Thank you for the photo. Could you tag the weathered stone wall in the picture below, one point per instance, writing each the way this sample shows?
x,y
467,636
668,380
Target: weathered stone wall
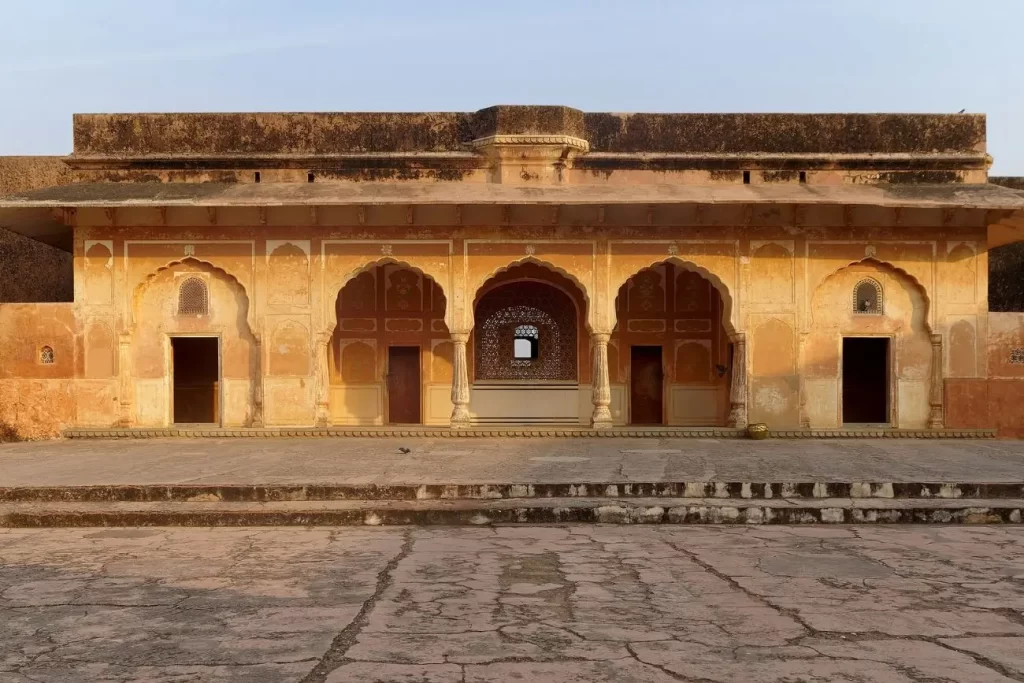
x,y
29,270
20,173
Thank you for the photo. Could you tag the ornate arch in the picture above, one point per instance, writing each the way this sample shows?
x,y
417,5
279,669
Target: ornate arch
x,y
885,266
206,266
335,291
482,286
728,310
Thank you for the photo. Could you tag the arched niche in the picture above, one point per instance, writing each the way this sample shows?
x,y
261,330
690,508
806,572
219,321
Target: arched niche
x,y
156,320
905,352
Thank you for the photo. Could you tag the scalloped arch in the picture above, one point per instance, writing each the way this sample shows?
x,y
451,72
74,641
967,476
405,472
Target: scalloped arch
x,y
471,310
716,282
203,265
383,261
898,272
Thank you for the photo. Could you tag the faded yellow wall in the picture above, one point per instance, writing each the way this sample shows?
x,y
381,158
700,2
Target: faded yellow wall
x,y
276,277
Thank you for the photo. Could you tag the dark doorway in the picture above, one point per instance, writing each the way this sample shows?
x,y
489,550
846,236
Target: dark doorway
x,y
645,387
404,384
865,380
196,376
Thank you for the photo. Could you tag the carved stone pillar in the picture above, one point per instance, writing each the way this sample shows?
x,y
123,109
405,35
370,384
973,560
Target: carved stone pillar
x,y
323,379
257,383
738,390
935,417
601,387
460,382
124,372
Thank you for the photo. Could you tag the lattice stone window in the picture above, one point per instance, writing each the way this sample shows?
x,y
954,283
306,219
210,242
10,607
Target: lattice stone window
x,y
46,355
1017,355
867,298
193,297
526,331
526,343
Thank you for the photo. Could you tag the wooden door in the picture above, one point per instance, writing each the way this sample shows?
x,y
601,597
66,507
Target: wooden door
x,y
404,384
645,385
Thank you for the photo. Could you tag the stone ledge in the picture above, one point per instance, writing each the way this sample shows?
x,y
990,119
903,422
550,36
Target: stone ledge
x,y
542,432
515,511
321,492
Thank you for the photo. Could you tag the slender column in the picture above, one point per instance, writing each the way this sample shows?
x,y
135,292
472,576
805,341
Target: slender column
x,y
124,371
805,418
738,390
323,379
601,387
257,383
460,382
935,418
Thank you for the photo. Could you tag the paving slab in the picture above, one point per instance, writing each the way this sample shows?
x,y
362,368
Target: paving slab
x,y
379,461
556,603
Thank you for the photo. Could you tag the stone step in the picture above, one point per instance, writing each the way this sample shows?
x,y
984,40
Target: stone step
x,y
534,431
513,511
732,490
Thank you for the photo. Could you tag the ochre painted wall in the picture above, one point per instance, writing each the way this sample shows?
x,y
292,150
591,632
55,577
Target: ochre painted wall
x,y
274,287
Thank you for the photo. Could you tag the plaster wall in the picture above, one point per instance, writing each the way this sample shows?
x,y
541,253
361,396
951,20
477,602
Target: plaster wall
x,y
274,281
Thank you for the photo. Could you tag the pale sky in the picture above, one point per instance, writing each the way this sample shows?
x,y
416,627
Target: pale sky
x,y
59,57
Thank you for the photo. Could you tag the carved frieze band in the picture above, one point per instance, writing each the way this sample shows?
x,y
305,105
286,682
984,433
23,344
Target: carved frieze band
x,y
524,139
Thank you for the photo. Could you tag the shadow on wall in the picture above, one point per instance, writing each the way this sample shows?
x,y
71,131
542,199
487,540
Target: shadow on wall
x,y
32,272
1006,278
8,433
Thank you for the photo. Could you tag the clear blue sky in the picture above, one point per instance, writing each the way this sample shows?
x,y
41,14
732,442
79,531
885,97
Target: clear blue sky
x,y
59,57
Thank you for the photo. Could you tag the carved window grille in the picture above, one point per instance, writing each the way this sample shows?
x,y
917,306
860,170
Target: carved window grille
x,y
46,355
193,297
1017,355
867,298
521,313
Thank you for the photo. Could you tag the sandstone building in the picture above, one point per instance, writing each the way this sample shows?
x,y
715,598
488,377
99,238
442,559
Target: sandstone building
x,y
518,265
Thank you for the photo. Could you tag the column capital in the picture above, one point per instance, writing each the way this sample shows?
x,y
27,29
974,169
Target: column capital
x,y
936,339
600,337
738,337
460,337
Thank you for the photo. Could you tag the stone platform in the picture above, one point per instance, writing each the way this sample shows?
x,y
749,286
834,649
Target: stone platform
x,y
383,481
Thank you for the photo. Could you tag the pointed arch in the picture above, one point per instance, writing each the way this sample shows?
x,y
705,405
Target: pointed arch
x,y
885,266
728,309
202,265
485,283
368,267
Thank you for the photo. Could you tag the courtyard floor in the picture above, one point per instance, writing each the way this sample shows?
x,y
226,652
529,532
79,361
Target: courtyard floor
x,y
558,603
510,460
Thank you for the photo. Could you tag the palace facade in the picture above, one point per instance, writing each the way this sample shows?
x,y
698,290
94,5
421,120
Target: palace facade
x,y
518,265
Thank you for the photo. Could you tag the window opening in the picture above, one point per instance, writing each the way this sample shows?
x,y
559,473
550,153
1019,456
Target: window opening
x,y
526,343
46,355
193,297
867,298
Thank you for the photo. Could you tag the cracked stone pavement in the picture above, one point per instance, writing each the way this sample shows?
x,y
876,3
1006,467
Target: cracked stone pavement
x,y
556,603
